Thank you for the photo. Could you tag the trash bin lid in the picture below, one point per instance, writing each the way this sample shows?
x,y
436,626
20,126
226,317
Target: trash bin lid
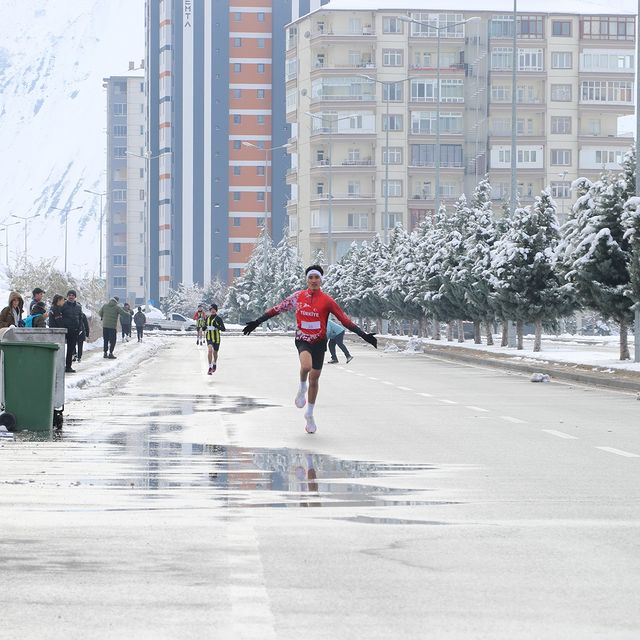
x,y
21,345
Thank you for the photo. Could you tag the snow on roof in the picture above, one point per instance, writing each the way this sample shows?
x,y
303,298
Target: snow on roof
x,y
593,7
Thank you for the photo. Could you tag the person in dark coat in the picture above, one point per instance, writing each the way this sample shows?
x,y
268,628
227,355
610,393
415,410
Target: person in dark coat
x,y
37,294
55,312
11,315
39,313
126,326
83,335
140,320
71,321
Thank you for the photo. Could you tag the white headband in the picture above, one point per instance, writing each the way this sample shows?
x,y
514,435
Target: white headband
x,y
314,272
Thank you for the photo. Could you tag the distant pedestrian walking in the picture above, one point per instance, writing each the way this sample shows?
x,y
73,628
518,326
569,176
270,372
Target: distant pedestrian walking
x,y
109,315
335,333
125,322
71,320
139,319
83,335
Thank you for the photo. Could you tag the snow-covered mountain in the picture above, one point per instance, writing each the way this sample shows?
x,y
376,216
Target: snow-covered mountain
x,y
53,57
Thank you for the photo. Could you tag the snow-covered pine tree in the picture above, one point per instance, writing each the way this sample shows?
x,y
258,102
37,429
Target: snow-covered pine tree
x,y
595,252
215,293
185,299
288,276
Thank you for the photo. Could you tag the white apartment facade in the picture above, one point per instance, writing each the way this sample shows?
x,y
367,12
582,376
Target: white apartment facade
x,y
575,78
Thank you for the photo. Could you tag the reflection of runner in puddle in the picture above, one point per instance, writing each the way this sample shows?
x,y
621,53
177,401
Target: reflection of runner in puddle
x,y
308,480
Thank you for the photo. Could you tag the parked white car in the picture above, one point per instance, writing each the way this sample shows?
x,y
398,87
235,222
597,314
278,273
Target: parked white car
x,y
174,322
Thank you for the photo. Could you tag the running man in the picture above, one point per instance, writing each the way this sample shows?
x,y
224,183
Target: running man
x,y
214,326
201,320
312,307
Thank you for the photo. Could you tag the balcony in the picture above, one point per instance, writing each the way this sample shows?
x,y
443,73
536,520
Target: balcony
x,y
341,67
292,145
322,230
345,164
348,197
458,67
292,175
339,34
430,164
342,98
292,207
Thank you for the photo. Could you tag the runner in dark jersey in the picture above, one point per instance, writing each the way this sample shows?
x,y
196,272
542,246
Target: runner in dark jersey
x,y
312,307
213,326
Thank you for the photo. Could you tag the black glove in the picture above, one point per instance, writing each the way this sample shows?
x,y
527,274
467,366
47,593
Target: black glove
x,y
371,339
250,326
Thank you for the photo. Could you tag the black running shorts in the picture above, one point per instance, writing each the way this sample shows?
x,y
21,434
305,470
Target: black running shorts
x,y
215,345
316,349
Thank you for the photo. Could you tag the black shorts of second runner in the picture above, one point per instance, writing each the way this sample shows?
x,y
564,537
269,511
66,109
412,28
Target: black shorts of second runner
x,y
215,345
316,349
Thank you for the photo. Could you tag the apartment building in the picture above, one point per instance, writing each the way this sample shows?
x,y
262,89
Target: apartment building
x,y
371,118
126,188
217,134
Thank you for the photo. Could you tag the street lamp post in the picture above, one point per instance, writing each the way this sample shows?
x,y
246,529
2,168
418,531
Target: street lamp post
x,y
636,307
25,219
96,193
6,239
66,227
438,29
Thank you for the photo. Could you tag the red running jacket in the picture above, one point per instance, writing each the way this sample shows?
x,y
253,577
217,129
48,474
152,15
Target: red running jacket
x,y
312,312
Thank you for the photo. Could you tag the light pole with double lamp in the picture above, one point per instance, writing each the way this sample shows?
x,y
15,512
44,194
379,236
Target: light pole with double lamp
x,y
25,219
437,28
97,193
386,85
267,151
332,121
6,238
66,227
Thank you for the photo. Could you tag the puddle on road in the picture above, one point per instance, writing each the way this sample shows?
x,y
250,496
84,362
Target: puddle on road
x,y
146,461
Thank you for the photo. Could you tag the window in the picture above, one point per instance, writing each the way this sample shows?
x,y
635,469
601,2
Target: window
x,y
236,196
501,58
237,67
260,119
119,260
315,219
524,127
236,222
237,16
609,156
237,93
561,157
120,152
451,25
530,60
236,247
424,155
613,91
120,282
603,60
260,196
260,170
392,122
393,219
501,26
236,272
561,28
292,69
561,190
236,171
594,127
355,122
237,144
140,194
424,122
237,118
260,67
120,130
237,42
561,92
500,93
392,91
527,156
353,156
391,24
261,43
561,60
451,90
353,188
358,221
608,28
392,155
392,57
561,124
527,26
392,188
504,156
260,222
260,16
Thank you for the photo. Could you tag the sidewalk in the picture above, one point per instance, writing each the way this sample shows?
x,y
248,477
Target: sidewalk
x,y
583,359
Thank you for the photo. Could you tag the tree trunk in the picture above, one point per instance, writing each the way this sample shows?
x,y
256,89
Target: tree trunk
x,y
505,334
520,334
449,331
422,323
379,325
537,343
477,337
436,329
489,327
460,331
624,341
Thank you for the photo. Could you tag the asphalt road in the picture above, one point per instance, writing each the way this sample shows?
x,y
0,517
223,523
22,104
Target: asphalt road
x,y
436,500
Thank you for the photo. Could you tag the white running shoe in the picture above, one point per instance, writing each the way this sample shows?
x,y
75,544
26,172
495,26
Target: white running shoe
x,y
311,425
301,399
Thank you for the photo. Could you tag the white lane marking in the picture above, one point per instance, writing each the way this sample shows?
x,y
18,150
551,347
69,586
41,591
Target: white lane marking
x,y
426,395
447,401
405,388
514,420
474,408
386,382
619,452
560,434
372,378
359,374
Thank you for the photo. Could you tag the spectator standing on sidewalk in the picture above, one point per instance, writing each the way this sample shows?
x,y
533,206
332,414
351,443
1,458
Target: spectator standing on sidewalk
x,y
11,315
109,315
37,294
125,323
139,320
71,321
335,334
55,313
39,315
82,336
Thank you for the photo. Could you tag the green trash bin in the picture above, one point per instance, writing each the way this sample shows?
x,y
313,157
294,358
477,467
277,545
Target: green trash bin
x,y
29,376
